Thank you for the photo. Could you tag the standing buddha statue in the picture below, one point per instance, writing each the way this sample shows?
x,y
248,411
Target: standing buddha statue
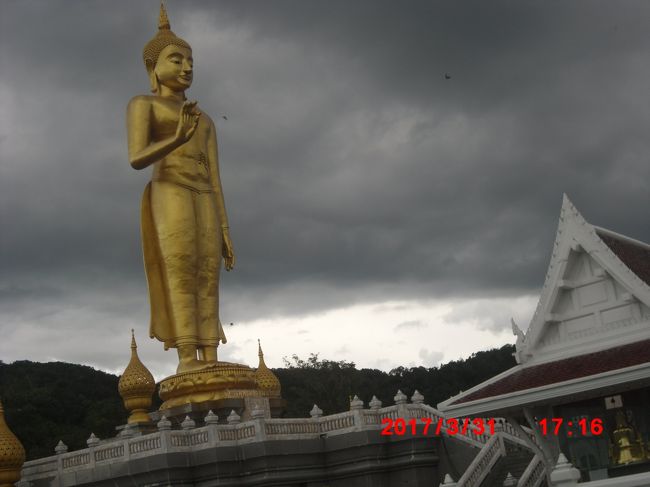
x,y
185,233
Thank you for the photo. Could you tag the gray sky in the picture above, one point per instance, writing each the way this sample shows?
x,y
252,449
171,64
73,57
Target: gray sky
x,y
380,212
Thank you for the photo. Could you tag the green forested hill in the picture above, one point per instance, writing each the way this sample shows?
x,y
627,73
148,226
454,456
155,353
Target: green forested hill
x,y
45,403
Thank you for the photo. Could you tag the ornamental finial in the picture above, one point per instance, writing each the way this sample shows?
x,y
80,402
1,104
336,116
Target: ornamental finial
x,y
163,20
265,378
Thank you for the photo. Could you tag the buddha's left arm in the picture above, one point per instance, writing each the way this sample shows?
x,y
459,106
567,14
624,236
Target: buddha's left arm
x,y
215,179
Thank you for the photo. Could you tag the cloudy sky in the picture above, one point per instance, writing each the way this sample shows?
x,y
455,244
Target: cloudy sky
x,y
381,213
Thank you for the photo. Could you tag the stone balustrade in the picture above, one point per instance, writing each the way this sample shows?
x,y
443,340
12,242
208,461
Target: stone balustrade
x,y
67,466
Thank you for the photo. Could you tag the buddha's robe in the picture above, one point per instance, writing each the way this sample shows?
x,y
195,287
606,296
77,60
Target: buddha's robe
x,y
182,244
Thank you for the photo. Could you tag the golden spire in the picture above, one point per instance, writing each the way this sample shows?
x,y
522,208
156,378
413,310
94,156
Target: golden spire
x,y
266,380
163,20
260,354
12,454
136,386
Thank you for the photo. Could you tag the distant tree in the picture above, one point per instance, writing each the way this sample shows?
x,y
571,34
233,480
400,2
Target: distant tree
x,y
331,384
324,382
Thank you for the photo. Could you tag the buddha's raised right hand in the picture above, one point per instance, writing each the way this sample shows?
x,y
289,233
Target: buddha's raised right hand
x,y
188,120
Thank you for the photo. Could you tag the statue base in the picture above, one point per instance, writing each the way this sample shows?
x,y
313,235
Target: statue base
x,y
221,383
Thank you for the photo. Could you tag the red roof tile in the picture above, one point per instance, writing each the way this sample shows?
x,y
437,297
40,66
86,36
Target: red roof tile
x,y
635,257
564,370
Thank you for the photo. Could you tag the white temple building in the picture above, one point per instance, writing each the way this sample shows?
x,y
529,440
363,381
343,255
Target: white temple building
x,y
583,364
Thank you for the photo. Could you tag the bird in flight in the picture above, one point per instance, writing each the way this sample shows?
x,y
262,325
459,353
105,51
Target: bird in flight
x,y
447,76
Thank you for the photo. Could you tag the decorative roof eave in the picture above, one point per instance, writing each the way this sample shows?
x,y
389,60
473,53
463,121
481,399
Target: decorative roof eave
x,y
442,406
606,257
574,232
556,393
619,236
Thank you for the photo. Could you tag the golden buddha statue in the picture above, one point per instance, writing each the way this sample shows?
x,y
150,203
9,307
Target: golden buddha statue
x,y
183,216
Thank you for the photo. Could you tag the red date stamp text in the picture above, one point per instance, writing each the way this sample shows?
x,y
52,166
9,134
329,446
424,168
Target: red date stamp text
x,y
452,426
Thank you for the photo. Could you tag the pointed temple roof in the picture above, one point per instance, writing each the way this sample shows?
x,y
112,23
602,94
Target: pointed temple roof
x,y
590,334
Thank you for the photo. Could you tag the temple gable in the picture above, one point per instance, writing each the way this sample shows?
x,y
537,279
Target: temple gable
x,y
591,299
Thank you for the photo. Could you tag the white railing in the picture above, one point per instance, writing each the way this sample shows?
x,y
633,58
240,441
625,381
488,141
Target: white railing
x,y
482,463
489,455
341,421
534,474
291,427
76,460
109,453
145,445
388,412
470,436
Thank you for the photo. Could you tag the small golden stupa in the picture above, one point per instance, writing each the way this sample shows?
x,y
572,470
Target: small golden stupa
x,y
267,382
12,454
136,387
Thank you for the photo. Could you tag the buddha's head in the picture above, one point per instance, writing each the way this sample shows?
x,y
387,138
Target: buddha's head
x,y
167,58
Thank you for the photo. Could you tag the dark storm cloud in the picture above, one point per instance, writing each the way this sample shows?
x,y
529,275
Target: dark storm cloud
x,y
404,174
353,169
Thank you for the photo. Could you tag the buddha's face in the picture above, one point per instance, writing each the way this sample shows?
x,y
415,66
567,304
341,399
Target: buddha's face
x,y
174,68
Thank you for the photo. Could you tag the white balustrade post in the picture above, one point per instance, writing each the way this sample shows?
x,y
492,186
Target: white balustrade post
x,y
499,428
259,419
400,400
564,474
60,449
211,421
356,407
92,442
188,424
375,404
233,418
316,412
165,431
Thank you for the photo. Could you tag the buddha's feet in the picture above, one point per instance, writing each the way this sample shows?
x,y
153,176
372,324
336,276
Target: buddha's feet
x,y
189,365
187,361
